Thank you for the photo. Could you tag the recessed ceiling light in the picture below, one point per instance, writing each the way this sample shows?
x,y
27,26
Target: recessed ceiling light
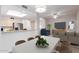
x,y
15,13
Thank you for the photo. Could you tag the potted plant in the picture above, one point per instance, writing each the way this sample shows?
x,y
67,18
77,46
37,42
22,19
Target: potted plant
x,y
41,42
49,26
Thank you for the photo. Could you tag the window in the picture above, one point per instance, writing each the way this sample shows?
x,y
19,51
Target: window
x,y
27,24
71,25
42,23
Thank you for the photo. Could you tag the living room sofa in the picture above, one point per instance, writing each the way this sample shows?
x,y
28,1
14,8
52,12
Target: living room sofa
x,y
72,37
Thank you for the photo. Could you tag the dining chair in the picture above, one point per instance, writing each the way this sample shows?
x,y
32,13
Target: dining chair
x,y
19,42
38,36
30,38
12,50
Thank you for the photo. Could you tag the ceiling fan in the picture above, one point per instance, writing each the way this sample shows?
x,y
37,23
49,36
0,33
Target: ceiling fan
x,y
57,14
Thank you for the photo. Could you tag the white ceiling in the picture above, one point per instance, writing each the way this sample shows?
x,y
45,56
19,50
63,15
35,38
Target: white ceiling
x,y
64,10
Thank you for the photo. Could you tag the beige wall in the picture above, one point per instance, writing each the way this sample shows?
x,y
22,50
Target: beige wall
x,y
62,19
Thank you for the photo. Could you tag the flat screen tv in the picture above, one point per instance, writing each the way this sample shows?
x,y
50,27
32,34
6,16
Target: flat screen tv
x,y
60,25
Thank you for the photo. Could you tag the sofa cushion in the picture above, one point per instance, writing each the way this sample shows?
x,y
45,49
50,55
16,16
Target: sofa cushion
x,y
70,33
77,34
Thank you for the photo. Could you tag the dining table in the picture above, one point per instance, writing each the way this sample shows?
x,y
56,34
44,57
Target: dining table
x,y
30,46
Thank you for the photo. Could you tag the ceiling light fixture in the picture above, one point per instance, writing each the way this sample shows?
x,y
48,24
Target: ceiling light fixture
x,y
55,16
40,9
15,13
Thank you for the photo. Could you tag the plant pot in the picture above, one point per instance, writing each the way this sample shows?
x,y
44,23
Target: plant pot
x,y
41,46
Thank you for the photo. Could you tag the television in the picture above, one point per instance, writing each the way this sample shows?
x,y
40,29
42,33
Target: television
x,y
60,25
